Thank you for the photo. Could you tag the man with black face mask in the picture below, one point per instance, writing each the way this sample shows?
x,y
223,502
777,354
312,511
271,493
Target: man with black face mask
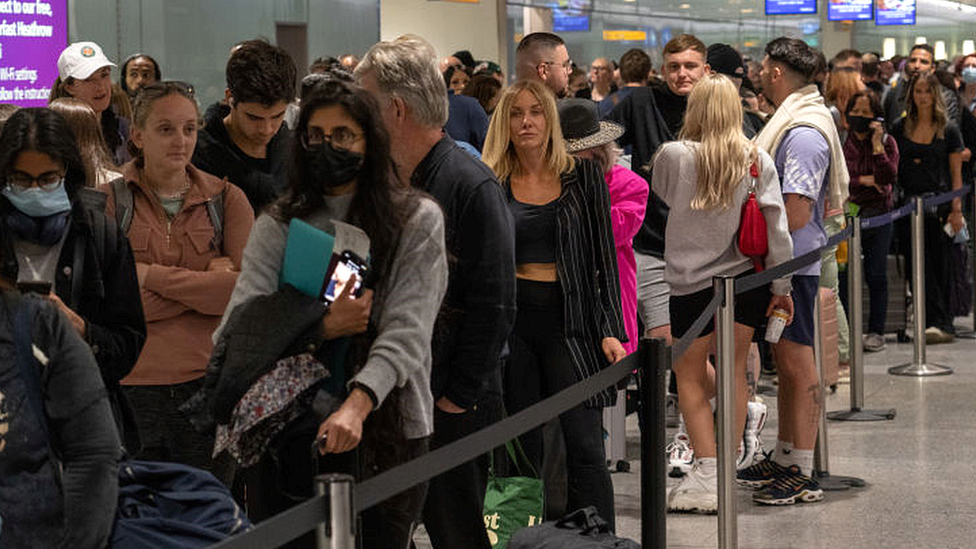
x,y
479,310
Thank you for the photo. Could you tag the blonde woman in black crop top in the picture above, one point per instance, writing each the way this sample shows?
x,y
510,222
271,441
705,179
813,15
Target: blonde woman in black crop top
x,y
569,324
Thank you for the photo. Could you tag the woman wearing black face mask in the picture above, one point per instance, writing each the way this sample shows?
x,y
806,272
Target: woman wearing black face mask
x,y
344,172
872,162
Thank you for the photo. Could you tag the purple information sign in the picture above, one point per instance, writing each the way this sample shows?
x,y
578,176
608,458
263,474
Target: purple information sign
x,y
32,35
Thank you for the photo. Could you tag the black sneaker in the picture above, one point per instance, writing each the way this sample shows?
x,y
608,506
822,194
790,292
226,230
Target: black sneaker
x,y
791,486
759,474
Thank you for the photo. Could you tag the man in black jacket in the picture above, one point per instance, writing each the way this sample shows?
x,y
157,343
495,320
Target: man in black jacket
x,y
479,310
651,116
245,140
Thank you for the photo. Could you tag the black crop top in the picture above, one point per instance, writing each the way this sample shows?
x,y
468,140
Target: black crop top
x,y
535,231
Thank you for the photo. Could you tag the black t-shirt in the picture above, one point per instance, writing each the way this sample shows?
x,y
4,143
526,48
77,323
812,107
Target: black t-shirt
x,y
924,167
672,107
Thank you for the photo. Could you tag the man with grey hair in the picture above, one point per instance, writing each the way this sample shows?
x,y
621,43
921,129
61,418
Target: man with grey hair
x,y
479,310
543,56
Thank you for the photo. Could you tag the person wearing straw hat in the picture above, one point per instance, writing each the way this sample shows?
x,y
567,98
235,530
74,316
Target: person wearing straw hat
x,y
588,137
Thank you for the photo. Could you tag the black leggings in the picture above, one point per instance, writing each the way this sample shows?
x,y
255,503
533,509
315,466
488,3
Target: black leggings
x,y
539,366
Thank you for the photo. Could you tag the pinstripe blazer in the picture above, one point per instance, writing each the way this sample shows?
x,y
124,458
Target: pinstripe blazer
x,y
586,263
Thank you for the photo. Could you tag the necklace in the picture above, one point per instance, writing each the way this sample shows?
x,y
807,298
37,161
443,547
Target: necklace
x,y
178,194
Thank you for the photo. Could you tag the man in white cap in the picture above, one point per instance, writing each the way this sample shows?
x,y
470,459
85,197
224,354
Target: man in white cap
x,y
84,73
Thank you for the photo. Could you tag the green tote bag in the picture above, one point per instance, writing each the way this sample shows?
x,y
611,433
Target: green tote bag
x,y
512,503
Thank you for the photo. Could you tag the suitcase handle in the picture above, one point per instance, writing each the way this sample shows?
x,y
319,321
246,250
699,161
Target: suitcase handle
x,y
586,519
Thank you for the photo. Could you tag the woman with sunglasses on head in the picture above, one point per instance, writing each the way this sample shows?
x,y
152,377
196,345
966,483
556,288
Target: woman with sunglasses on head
x,y
187,262
57,242
344,172
569,324
930,150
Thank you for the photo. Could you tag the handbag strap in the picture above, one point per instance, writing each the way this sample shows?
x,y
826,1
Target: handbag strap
x,y
516,455
754,173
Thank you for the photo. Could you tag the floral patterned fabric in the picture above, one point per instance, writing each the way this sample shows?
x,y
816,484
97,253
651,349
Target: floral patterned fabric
x,y
275,399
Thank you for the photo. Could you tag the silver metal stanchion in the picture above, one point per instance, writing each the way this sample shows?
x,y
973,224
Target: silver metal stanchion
x,y
918,367
821,455
728,440
855,277
338,531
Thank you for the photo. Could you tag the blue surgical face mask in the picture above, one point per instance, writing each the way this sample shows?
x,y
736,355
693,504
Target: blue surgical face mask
x,y
969,75
37,202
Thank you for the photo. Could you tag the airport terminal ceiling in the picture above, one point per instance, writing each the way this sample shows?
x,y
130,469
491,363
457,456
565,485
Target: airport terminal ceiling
x,y
600,27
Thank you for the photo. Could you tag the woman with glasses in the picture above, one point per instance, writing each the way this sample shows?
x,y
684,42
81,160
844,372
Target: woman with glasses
x,y
188,254
384,413
56,242
569,324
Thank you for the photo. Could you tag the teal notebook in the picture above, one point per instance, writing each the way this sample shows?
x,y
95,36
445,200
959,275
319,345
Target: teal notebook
x,y
308,253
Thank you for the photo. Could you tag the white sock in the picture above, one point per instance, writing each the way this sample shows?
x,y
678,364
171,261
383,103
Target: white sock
x,y
804,460
713,403
708,466
784,453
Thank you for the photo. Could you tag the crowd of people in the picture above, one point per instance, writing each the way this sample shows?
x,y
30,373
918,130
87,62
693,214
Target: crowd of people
x,y
521,238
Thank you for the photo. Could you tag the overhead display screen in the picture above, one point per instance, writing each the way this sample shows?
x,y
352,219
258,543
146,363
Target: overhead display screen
x,y
791,7
569,21
895,12
850,10
32,35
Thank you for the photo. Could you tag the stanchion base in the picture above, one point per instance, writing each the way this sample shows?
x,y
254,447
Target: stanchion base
x,y
836,483
920,370
861,415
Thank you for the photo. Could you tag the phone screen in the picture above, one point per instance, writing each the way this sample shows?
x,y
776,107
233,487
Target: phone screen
x,y
344,270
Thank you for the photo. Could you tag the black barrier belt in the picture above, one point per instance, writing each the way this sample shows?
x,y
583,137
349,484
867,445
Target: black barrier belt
x,y
398,479
304,517
679,347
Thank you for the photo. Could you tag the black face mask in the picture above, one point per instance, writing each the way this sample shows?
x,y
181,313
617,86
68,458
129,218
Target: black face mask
x,y
859,124
332,167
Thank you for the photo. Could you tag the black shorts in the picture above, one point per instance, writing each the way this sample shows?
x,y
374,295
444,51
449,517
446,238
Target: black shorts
x,y
750,309
806,290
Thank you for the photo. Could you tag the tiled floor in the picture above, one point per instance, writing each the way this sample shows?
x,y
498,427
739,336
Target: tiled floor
x,y
920,469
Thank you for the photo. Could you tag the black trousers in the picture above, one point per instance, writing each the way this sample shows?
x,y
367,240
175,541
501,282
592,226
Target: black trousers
x,y
276,484
453,513
540,365
166,432
938,269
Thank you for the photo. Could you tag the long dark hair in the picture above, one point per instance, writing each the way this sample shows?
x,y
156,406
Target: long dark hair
x,y
381,205
939,117
44,131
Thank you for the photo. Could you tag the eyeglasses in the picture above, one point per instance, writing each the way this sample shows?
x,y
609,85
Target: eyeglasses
x,y
567,65
340,138
18,182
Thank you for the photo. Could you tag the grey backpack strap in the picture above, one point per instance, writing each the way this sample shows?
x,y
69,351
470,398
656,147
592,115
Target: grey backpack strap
x,y
215,209
123,203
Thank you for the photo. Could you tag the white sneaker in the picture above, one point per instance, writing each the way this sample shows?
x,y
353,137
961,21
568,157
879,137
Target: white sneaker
x,y
681,457
695,494
752,450
874,343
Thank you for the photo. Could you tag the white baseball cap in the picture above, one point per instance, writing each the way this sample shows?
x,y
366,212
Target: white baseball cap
x,y
81,59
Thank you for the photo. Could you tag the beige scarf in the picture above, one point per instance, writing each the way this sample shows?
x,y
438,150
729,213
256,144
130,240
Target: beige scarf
x,y
805,107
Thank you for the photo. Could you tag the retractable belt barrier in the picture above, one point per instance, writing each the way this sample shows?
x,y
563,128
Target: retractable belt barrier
x,y
308,515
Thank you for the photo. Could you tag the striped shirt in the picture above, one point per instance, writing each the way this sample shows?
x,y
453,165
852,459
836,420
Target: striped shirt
x,y
586,263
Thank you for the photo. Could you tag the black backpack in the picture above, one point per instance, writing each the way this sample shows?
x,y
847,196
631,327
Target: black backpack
x,y
124,207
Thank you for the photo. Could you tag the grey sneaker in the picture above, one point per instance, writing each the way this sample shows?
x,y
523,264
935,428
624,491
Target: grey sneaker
x,y
874,343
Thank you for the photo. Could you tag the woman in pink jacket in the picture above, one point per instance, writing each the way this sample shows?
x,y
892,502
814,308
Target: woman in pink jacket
x,y
588,137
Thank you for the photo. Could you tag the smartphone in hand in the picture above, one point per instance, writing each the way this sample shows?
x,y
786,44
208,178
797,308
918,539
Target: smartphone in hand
x,y
349,264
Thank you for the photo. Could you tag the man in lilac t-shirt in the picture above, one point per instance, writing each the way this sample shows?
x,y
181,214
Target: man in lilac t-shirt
x,y
802,160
